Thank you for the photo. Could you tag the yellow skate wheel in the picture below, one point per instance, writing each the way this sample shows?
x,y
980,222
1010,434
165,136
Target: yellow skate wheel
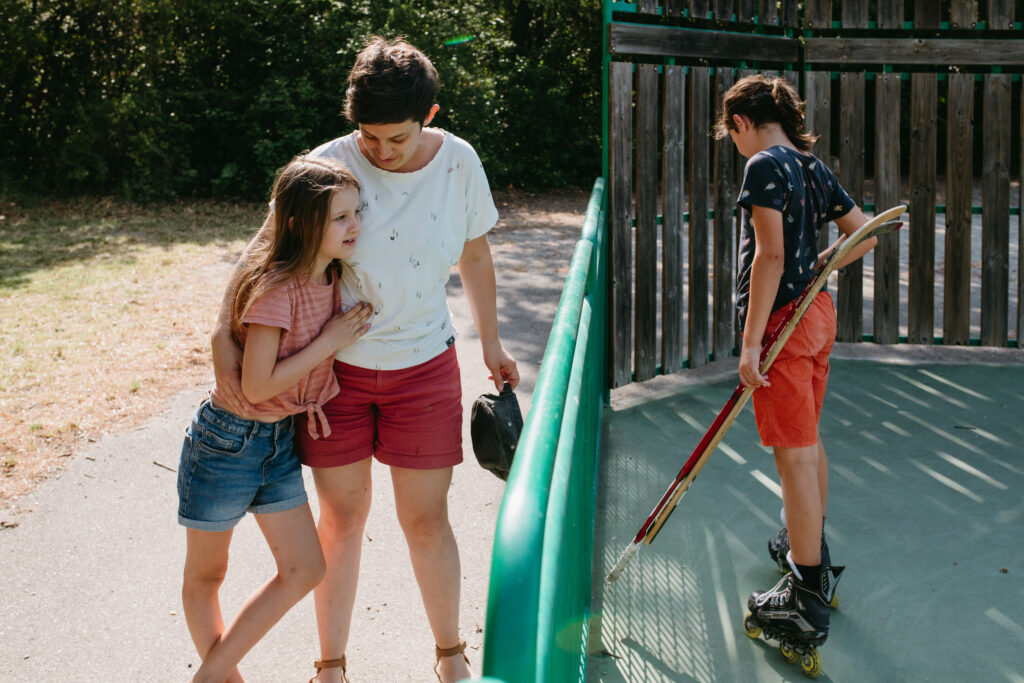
x,y
788,653
811,664
835,601
750,628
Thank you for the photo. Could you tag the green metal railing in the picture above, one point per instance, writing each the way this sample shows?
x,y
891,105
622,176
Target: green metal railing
x,y
538,607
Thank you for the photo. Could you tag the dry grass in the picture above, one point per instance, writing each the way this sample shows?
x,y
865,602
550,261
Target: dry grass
x,y
107,310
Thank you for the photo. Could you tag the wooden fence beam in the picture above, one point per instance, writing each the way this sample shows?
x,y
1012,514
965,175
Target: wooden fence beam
x,y
887,194
818,14
674,8
924,94
886,255
995,199
818,98
645,325
746,11
914,51
963,14
672,224
956,311
724,316
620,213
921,286
890,14
995,193
850,288
664,41
700,125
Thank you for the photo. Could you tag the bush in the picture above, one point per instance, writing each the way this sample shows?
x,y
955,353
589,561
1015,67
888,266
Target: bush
x,y
162,98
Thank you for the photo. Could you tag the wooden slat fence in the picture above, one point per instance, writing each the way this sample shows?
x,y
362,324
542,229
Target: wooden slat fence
x,y
893,89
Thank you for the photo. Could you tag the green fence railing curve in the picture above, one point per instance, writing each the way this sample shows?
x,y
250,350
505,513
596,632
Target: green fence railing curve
x,y
538,606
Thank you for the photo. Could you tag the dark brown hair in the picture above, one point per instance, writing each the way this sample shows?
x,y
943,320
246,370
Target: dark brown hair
x,y
391,82
765,100
301,204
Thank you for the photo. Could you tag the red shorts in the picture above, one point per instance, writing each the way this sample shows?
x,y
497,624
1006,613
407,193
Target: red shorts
x,y
406,418
788,411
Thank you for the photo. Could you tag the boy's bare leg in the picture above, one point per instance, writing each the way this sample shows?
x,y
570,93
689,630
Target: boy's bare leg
x,y
206,562
803,499
421,500
291,535
345,494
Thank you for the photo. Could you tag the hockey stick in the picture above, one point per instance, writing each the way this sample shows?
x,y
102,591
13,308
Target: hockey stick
x,y
880,224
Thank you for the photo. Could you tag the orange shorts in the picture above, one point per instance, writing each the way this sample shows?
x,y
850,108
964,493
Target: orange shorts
x,y
788,411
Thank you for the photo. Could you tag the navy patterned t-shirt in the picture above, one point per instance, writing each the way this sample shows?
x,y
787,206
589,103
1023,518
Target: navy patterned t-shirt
x,y
808,195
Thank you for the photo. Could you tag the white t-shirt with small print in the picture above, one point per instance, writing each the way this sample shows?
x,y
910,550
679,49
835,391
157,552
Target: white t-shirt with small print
x,y
414,228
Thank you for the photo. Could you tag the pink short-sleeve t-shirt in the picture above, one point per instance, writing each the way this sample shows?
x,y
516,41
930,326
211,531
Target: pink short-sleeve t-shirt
x,y
300,308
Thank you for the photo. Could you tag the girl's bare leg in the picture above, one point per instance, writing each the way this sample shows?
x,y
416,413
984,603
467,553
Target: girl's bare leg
x,y
822,476
206,562
345,494
291,535
421,500
802,498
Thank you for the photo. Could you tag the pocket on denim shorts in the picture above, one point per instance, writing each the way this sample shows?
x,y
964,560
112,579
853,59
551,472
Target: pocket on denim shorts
x,y
216,441
186,466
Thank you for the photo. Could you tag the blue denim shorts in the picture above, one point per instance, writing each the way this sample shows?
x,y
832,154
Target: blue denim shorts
x,y
230,465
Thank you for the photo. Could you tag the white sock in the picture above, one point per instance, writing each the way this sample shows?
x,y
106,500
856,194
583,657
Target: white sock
x,y
796,572
782,514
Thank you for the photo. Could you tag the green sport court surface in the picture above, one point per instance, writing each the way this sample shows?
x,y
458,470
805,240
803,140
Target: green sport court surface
x,y
926,511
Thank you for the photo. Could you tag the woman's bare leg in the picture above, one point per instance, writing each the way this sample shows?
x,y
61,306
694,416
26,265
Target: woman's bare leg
x,y
421,500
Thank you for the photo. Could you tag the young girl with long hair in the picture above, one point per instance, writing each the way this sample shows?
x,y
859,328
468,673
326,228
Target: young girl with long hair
x,y
788,196
286,315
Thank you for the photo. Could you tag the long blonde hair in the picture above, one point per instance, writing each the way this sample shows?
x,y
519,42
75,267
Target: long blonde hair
x,y
301,203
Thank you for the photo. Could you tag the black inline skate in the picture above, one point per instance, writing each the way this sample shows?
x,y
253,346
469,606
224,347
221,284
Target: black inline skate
x,y
778,549
796,614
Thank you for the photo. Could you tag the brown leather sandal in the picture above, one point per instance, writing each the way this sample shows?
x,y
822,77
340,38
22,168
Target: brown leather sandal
x,y
440,652
330,664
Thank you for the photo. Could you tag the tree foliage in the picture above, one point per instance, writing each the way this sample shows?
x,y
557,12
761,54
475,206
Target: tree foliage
x,y
162,98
